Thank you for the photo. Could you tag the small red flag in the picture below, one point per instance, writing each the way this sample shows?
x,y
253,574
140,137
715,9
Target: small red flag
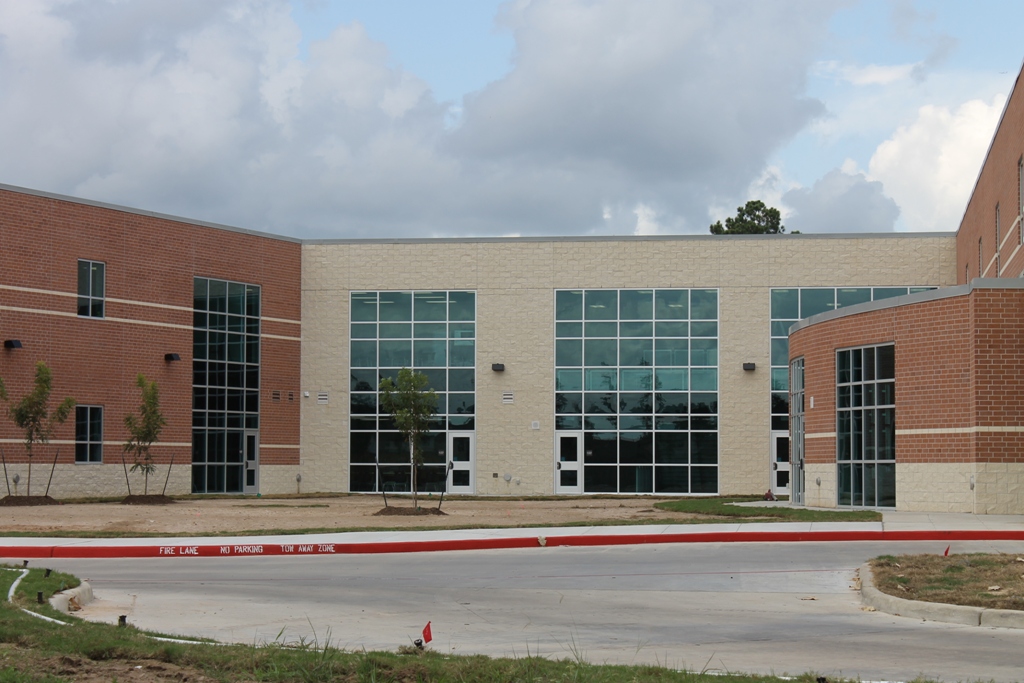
x,y
945,554
427,636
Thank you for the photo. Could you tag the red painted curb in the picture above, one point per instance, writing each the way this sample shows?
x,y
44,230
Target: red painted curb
x,y
291,549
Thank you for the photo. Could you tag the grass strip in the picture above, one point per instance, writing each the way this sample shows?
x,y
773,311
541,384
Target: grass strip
x,y
993,581
723,507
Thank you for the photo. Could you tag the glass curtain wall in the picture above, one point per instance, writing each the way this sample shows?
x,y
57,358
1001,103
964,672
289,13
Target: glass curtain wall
x,y
793,304
636,371
866,426
430,332
225,381
796,401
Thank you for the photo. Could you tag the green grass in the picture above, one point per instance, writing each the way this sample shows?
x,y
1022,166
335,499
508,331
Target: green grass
x,y
720,507
34,651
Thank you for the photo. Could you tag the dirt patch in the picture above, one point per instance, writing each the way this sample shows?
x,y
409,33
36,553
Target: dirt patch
x,y
25,501
83,670
393,511
151,499
198,517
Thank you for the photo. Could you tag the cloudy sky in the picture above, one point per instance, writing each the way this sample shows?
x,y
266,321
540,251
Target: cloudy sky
x,y
404,118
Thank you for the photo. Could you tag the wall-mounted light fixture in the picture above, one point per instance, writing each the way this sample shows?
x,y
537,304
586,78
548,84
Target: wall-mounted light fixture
x,y
12,343
170,357
498,367
749,367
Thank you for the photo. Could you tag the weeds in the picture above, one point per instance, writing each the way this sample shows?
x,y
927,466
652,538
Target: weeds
x,y
992,581
723,507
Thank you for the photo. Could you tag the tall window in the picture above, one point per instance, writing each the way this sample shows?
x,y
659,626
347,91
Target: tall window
x,y
790,305
636,370
866,426
1020,201
91,287
88,434
998,244
225,381
796,402
430,332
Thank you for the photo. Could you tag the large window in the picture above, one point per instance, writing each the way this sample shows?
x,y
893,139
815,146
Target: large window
x,y
225,381
790,305
91,288
88,434
866,426
797,433
430,332
636,371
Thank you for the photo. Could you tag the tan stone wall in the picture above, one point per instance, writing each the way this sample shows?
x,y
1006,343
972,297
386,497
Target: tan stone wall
x,y
820,495
95,481
515,280
999,488
934,487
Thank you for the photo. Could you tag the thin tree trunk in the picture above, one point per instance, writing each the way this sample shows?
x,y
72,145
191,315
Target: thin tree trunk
x,y
4,456
28,486
164,492
52,468
127,482
412,455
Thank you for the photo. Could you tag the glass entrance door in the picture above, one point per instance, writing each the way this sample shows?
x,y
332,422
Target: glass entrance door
x,y
460,476
568,455
252,462
780,473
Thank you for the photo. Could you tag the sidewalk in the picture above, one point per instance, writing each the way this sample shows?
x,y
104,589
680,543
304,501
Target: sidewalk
x,y
895,526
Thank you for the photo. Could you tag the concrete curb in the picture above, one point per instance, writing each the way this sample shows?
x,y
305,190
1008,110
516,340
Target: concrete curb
x,y
62,601
935,611
299,545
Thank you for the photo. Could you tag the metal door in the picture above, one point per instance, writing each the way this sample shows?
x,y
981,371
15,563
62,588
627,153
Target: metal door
x,y
568,461
461,477
781,468
251,471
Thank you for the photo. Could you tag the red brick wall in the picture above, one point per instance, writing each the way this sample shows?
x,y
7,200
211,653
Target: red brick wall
x,y
997,184
959,364
148,259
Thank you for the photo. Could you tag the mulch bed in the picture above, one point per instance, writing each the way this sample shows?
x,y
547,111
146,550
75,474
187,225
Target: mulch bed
x,y
403,511
28,500
151,499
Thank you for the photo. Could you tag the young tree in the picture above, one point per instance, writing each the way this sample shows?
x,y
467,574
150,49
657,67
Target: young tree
x,y
32,414
412,405
754,218
144,430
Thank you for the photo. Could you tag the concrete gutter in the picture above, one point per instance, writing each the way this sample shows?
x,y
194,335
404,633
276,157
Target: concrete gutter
x,y
935,611
82,596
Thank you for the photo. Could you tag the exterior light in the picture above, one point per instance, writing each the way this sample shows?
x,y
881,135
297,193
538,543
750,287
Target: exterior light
x,y
171,357
749,367
12,343
498,367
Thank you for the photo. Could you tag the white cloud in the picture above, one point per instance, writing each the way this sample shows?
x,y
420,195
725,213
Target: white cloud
x,y
844,200
646,113
646,221
871,74
922,164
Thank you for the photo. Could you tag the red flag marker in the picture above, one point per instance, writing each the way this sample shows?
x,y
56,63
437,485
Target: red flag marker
x,y
427,636
945,554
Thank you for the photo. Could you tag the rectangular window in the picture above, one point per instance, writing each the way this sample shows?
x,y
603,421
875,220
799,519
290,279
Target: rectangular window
x,y
88,434
998,244
225,384
91,288
866,426
636,372
430,332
